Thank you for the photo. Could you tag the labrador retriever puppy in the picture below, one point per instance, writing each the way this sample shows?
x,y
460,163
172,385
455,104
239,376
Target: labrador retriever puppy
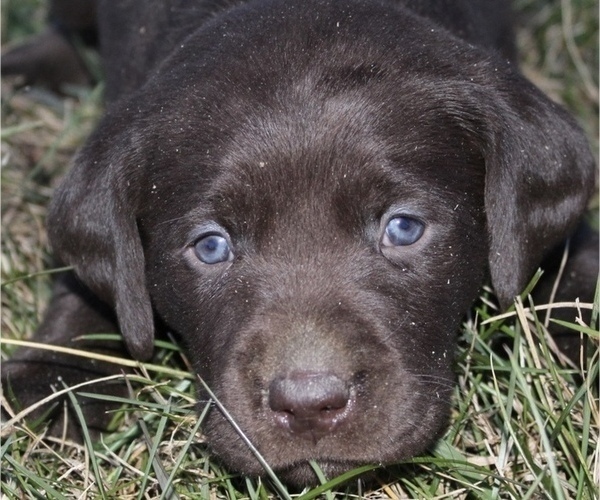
x,y
310,194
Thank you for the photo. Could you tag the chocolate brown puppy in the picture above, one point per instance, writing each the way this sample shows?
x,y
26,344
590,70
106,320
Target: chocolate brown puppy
x,y
310,194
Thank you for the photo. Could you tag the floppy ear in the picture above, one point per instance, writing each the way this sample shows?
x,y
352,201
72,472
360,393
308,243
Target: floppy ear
x,y
540,174
92,226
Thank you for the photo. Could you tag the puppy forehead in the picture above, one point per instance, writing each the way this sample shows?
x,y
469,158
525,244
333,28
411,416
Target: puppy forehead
x,y
299,154
330,163
342,151
320,141
345,122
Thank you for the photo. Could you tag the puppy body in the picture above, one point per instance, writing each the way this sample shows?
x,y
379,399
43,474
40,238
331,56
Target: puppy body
x,y
292,136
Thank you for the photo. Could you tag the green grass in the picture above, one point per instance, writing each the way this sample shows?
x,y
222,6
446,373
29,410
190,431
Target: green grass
x,y
523,425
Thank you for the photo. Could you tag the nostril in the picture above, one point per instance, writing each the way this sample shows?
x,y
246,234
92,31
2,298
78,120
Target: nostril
x,y
309,404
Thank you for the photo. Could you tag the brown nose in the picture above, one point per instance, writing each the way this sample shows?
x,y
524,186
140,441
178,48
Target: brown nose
x,y
309,404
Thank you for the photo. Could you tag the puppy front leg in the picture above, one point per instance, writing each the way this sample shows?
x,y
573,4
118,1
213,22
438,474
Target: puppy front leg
x,y
32,374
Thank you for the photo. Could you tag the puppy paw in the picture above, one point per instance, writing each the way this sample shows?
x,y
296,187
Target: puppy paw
x,y
36,386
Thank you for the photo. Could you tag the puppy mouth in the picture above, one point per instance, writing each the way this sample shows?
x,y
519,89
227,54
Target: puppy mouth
x,y
331,395
305,423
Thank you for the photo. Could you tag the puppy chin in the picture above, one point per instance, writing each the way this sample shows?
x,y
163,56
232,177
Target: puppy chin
x,y
303,473
293,461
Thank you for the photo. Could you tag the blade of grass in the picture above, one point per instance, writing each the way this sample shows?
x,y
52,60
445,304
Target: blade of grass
x,y
334,483
152,447
551,463
36,480
87,441
278,484
99,357
7,132
37,274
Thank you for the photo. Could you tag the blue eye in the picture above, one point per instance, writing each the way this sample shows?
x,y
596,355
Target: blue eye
x,y
402,231
213,249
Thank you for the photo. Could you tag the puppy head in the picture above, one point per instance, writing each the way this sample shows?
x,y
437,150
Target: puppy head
x,y
319,279
315,228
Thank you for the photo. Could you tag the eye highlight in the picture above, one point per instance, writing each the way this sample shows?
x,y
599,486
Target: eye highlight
x,y
213,249
402,231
